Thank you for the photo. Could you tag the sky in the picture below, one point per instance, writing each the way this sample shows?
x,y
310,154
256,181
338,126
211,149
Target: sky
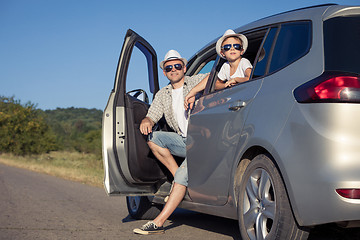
x,y
64,53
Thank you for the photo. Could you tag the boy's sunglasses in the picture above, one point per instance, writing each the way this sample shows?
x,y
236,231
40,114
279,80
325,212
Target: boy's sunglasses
x,y
227,47
177,66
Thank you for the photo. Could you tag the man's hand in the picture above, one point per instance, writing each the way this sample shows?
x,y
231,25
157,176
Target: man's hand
x,y
146,126
189,99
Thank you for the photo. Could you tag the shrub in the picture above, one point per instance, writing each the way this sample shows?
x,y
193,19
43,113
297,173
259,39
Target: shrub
x,y
23,129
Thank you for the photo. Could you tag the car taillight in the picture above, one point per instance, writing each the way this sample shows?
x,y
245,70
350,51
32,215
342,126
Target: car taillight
x,y
330,87
352,193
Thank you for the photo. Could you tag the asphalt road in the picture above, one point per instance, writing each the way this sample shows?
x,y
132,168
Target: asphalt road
x,y
38,206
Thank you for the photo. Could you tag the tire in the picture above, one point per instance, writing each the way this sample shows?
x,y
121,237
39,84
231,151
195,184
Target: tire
x,y
263,207
141,208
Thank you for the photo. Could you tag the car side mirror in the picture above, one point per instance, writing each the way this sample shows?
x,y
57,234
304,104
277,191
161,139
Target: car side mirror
x,y
138,93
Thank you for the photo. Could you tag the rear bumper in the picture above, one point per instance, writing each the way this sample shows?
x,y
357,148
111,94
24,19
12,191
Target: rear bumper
x,y
318,152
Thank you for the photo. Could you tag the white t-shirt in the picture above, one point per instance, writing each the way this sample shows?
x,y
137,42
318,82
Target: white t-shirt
x,y
179,111
224,73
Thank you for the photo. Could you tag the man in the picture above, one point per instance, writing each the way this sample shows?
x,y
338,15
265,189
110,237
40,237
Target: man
x,y
169,102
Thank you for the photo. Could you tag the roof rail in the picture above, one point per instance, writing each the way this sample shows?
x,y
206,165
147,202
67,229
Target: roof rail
x,y
315,6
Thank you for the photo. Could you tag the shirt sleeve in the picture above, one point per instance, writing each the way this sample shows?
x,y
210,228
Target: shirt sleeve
x,y
245,65
222,75
193,81
156,110
199,77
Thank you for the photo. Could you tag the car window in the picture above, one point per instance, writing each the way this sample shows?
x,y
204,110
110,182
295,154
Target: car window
x,y
255,39
137,74
207,67
260,67
293,42
341,44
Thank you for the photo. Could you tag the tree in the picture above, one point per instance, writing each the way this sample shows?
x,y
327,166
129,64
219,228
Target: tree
x,y
93,139
23,129
76,129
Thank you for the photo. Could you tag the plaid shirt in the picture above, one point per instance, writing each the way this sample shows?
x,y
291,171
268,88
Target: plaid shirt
x,y
162,104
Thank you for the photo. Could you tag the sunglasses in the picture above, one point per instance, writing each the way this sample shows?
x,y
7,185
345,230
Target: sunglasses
x,y
177,66
227,47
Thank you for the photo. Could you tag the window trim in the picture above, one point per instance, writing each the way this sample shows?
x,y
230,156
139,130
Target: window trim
x,y
297,58
208,52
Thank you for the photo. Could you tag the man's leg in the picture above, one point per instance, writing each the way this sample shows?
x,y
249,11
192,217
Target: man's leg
x,y
156,226
166,144
176,196
164,156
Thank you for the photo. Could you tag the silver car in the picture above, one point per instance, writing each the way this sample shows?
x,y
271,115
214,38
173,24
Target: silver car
x,y
280,153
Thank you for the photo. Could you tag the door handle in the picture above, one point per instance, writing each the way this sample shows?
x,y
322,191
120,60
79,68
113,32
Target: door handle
x,y
237,105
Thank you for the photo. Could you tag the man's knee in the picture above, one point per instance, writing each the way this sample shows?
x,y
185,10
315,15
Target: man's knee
x,y
181,175
153,146
157,149
150,144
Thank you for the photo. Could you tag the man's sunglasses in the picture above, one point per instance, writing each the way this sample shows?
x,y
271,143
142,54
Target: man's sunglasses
x,y
177,66
227,47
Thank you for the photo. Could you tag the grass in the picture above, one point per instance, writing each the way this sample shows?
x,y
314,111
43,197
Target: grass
x,y
84,168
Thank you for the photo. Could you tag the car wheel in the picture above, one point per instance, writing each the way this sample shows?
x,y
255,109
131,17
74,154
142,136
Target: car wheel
x,y
264,211
140,207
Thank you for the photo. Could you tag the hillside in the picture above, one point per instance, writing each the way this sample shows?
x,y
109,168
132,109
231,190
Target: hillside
x,y
76,129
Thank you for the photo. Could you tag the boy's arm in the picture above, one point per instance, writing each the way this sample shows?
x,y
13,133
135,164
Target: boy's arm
x,y
219,84
239,79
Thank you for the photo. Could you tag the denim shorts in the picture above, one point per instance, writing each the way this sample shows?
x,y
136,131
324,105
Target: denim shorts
x,y
177,146
181,175
170,140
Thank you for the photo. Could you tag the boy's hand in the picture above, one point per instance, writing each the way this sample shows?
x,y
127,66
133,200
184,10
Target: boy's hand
x,y
230,82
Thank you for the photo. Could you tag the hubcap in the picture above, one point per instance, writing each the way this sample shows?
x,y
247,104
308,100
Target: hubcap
x,y
259,205
134,203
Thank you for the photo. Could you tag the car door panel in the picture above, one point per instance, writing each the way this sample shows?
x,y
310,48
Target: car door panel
x,y
129,166
215,129
142,166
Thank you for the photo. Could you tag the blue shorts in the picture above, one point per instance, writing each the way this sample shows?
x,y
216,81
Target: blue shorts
x,y
177,146
181,175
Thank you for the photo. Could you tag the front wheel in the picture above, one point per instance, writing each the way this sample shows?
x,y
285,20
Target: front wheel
x,y
264,211
140,207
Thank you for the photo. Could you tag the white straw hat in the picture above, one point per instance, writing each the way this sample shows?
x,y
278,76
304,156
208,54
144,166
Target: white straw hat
x,y
231,33
172,55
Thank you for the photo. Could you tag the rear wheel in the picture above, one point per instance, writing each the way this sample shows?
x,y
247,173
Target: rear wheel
x,y
142,208
264,211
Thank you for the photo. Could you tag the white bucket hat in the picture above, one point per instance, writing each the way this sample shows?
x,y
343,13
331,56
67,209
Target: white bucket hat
x,y
231,33
172,55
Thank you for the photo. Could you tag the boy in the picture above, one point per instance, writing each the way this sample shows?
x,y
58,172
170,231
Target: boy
x,y
230,46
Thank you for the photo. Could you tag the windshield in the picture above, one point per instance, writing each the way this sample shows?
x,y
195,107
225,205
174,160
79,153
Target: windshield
x,y
341,44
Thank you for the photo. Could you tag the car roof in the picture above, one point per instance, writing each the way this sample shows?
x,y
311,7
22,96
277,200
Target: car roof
x,y
317,12
308,13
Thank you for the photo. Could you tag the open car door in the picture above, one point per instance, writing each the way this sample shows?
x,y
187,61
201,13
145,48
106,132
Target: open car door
x,y
130,168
